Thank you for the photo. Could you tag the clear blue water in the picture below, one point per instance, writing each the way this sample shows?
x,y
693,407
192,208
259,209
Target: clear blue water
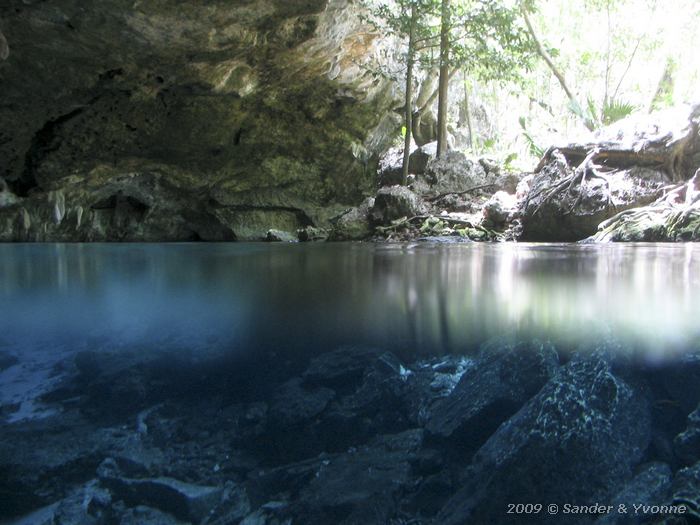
x,y
225,365
411,298
292,302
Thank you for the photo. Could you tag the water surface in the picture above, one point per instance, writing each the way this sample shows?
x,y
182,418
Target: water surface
x,y
411,298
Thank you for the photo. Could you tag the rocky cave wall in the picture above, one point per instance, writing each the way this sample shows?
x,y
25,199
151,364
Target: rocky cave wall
x,y
167,120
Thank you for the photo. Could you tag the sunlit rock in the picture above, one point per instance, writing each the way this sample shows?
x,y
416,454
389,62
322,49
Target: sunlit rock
x,y
673,217
454,173
498,209
418,161
623,183
280,236
312,234
390,169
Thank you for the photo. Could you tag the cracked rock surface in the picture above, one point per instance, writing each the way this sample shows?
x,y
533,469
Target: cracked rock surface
x,y
130,120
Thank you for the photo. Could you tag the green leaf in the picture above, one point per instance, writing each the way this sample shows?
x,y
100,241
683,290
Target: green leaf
x,y
616,110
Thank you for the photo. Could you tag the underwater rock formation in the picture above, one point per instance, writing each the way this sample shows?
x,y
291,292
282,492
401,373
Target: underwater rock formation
x,y
172,121
354,435
579,437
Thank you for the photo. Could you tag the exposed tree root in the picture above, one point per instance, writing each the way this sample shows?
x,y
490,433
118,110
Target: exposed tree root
x,y
440,196
586,171
662,220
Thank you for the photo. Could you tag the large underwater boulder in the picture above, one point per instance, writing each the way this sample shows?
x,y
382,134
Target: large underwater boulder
x,y
500,380
577,440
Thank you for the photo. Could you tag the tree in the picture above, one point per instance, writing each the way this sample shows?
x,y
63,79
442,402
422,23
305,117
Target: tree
x,y
484,38
408,120
408,20
663,97
443,89
602,106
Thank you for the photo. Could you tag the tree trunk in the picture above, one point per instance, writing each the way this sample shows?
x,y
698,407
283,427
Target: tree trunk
x,y
468,114
409,96
608,64
423,104
428,90
444,78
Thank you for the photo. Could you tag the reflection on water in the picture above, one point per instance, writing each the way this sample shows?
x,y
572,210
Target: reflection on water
x,y
409,297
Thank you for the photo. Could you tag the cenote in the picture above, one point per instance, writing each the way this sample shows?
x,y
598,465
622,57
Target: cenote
x,y
349,262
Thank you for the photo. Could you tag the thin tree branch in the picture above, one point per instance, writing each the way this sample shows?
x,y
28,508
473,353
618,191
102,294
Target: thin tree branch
x,y
548,60
634,53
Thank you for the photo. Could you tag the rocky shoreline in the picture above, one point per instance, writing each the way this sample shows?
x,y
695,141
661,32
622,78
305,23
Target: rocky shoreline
x,y
635,181
356,435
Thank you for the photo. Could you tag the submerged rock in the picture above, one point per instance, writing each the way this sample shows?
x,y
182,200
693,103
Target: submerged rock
x,y
293,404
498,383
337,402
184,500
341,366
356,435
89,505
143,515
545,451
361,486
687,443
7,360
685,492
650,487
